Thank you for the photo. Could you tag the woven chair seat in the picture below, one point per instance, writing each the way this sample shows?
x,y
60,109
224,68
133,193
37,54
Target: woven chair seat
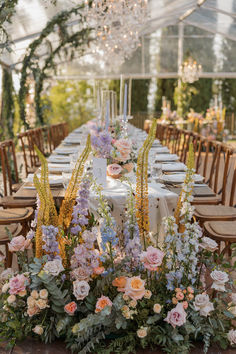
x,y
214,212
221,230
14,229
10,202
206,201
15,215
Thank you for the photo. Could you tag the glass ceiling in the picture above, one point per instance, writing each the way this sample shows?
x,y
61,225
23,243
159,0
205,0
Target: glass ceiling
x,y
209,35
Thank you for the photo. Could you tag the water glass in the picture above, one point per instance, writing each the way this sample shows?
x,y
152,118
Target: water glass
x,y
156,171
73,160
66,179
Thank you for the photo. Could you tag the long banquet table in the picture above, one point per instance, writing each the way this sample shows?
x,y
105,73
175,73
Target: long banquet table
x,y
162,198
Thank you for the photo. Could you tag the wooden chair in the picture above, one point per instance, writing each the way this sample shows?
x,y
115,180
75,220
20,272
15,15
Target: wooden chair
x,y
11,182
27,149
222,212
7,155
222,231
57,134
15,230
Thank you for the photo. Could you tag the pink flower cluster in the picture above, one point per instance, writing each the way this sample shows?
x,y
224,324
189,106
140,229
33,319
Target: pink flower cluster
x,y
18,284
19,244
177,316
124,148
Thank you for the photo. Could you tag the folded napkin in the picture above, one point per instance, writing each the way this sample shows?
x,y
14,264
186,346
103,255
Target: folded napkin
x,y
66,150
167,157
59,167
53,179
176,166
180,177
59,159
162,149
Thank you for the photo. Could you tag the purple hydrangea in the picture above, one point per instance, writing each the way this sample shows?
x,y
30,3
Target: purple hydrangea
x,y
102,144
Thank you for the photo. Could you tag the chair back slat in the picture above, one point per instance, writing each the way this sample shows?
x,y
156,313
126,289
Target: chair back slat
x,y
9,166
233,188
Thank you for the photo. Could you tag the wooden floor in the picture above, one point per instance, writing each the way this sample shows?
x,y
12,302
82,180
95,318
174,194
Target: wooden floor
x,y
34,347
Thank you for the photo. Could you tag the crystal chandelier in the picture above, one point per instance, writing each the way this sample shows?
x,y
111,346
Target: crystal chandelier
x,y
117,25
189,71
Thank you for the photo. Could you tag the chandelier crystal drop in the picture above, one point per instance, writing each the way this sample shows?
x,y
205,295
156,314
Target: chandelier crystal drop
x,y
190,71
117,25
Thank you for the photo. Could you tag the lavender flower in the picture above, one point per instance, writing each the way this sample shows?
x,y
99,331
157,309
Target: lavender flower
x,y
50,243
80,210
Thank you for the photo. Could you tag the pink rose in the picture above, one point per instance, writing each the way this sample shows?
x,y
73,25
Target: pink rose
x,y
123,146
19,243
177,316
152,258
17,284
70,308
114,170
129,166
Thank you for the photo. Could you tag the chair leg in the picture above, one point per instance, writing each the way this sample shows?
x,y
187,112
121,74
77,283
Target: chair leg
x,y
8,262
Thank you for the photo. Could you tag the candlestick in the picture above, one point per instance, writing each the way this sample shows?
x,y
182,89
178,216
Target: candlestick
x,y
107,115
125,103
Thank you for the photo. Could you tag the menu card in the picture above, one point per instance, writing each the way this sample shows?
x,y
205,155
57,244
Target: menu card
x,y
100,170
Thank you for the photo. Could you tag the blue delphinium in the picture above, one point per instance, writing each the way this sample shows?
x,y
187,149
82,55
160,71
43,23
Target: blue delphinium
x,y
50,246
80,210
101,143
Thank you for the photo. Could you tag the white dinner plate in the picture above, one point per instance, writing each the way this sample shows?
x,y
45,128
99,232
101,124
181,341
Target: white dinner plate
x,y
180,177
166,157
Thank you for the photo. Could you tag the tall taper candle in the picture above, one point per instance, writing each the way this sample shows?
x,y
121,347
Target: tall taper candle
x,y
107,115
121,94
130,94
125,103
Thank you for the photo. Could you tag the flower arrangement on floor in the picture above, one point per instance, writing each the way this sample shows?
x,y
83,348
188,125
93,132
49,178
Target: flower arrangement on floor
x,y
117,150
104,292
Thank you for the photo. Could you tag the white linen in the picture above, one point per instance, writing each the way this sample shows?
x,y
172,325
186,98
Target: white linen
x,y
180,177
59,159
66,150
59,167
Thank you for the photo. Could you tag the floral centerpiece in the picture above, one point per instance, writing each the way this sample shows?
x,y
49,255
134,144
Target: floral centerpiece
x,y
117,150
88,283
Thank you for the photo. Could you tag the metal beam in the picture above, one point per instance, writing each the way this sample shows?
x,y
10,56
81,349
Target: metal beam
x,y
173,75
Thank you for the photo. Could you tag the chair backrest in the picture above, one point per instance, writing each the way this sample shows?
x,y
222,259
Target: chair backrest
x,y
232,200
9,166
57,134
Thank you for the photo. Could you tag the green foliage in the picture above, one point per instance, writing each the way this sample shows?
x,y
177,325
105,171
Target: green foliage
x,y
30,62
7,10
68,103
8,108
165,87
183,96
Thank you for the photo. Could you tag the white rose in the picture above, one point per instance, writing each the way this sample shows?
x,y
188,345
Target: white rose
x,y
38,330
5,287
219,280
43,294
208,244
80,289
232,336
204,311
201,301
11,299
54,267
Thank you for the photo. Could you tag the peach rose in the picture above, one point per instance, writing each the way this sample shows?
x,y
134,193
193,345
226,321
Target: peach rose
x,y
123,146
129,167
38,330
19,244
185,304
114,170
70,308
42,304
120,283
102,302
157,308
98,270
179,296
134,288
147,294
31,311
43,294
142,332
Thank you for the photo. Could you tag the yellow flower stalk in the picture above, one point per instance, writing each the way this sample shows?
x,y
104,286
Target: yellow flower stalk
x,y
188,179
142,206
68,203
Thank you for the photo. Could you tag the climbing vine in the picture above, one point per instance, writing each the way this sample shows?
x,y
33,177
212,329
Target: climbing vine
x,y
76,40
30,62
7,10
8,108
